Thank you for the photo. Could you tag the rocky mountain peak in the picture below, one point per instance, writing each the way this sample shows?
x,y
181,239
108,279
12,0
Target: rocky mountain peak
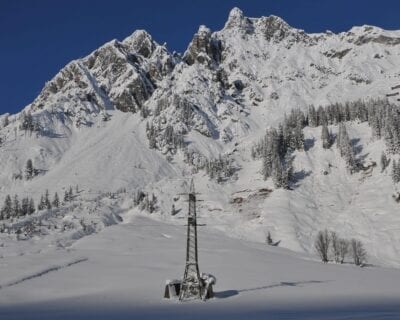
x,y
203,48
275,28
141,42
237,20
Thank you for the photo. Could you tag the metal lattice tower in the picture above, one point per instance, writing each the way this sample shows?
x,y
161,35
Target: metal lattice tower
x,y
192,286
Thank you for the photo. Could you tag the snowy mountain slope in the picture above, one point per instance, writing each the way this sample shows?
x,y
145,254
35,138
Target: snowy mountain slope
x,y
120,274
218,97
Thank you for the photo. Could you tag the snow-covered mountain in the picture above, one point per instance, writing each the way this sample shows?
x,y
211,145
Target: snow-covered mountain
x,y
132,119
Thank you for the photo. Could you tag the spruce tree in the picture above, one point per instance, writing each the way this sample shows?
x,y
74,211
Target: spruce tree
x,y
41,204
70,194
56,201
29,170
16,210
269,239
384,161
395,171
325,137
24,206
31,209
6,211
47,203
345,147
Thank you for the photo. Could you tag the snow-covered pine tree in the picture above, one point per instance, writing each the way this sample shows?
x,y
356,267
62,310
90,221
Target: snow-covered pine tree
x,y
312,116
40,205
325,137
26,121
56,201
269,239
24,206
31,208
345,147
16,208
47,203
29,170
6,211
70,194
299,137
384,161
396,171
322,118
277,173
151,203
66,197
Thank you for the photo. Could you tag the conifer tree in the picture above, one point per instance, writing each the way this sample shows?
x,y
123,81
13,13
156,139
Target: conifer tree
x,y
6,211
325,137
56,201
345,147
47,203
70,194
395,171
29,170
24,206
31,209
16,210
41,204
384,161
269,239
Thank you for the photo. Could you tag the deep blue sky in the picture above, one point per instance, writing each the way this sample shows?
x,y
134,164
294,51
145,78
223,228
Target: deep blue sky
x,y
38,37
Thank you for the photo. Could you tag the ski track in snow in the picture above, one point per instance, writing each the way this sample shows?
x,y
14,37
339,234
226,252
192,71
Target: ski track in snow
x,y
42,273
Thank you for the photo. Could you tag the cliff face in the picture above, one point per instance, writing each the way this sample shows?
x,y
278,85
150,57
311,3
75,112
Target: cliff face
x,y
250,62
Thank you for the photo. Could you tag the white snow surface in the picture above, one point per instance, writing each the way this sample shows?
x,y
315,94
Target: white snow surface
x,y
120,273
78,262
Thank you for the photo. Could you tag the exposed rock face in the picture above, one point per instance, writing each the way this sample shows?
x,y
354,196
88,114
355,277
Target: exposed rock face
x,y
141,42
390,41
238,21
275,29
250,62
121,75
203,48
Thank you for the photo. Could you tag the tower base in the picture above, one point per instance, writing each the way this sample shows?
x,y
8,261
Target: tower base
x,y
173,289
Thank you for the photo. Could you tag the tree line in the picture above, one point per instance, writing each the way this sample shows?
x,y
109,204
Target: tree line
x,y
219,169
145,201
14,208
275,148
